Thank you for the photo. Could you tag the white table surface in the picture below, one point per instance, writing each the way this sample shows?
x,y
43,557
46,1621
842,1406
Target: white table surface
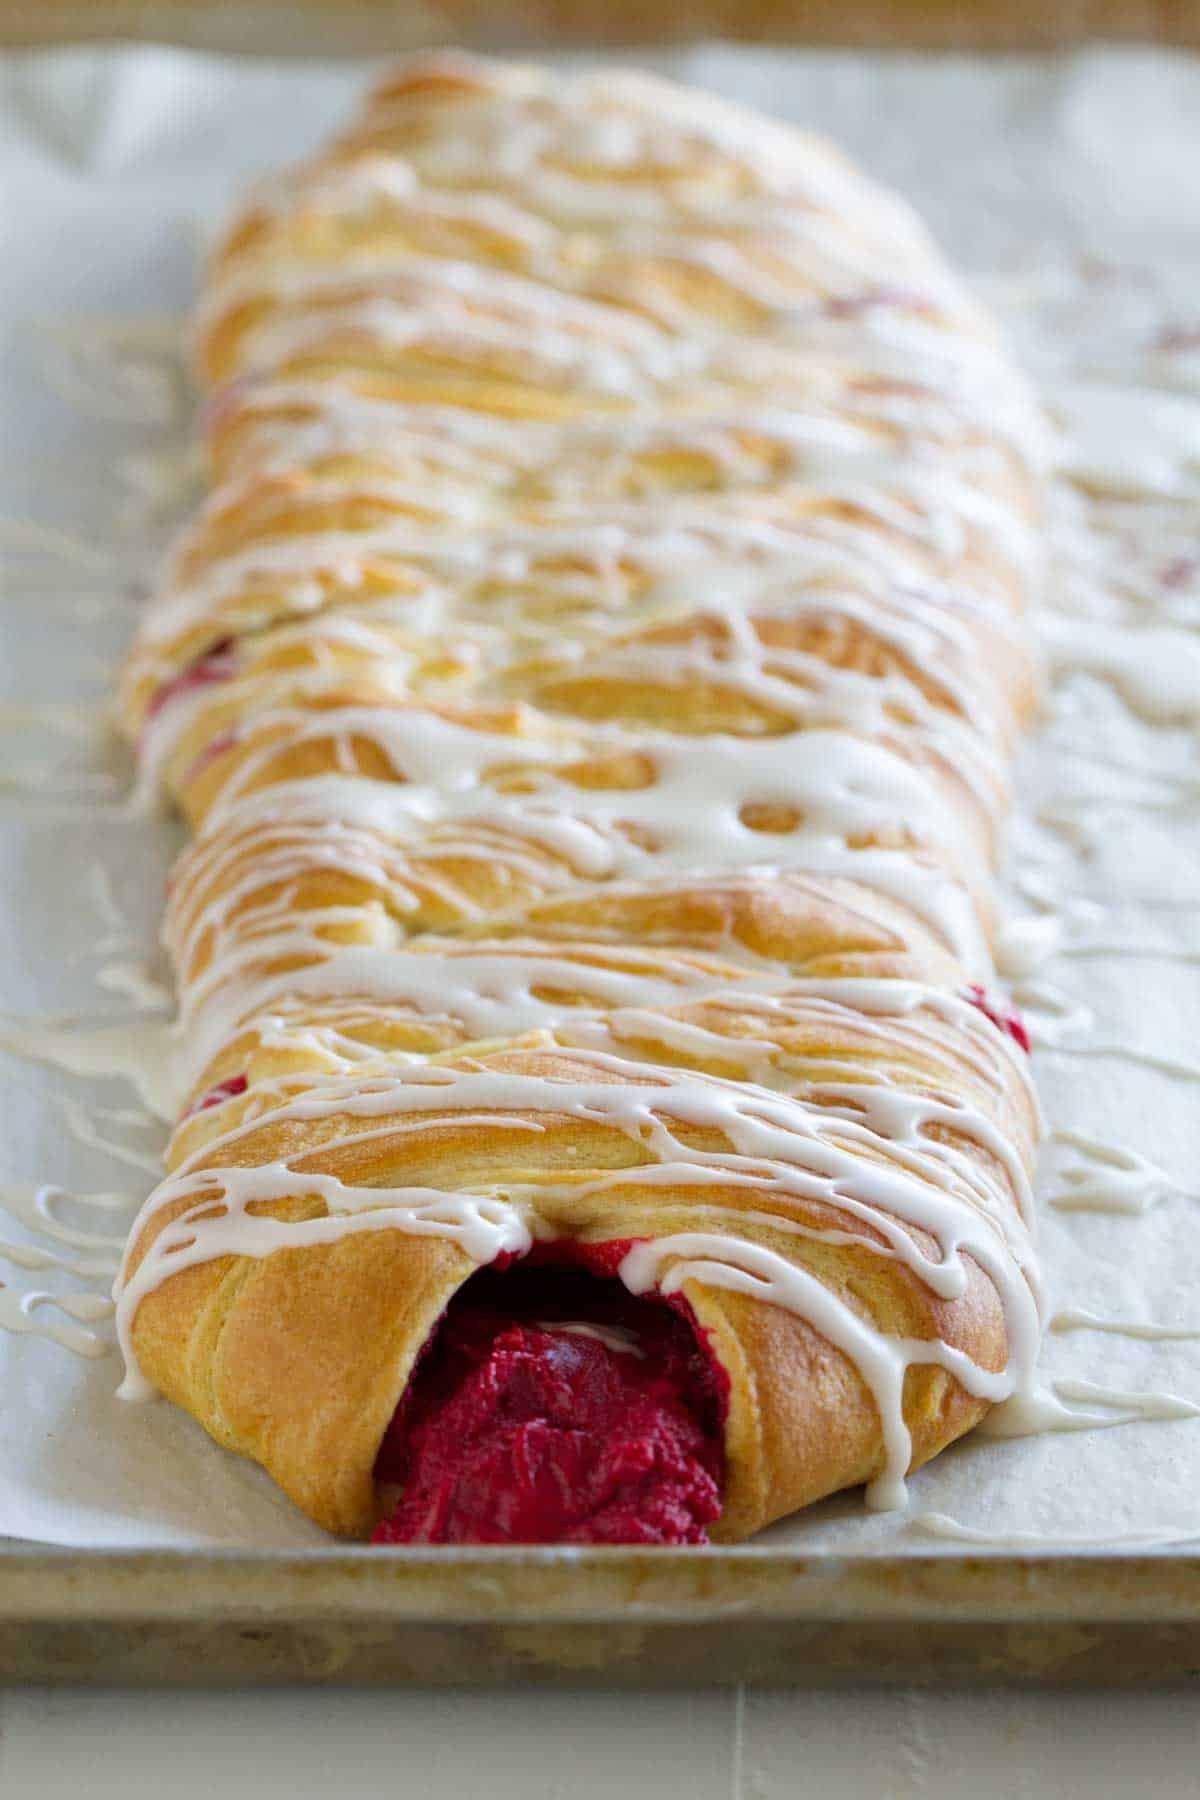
x,y
709,1744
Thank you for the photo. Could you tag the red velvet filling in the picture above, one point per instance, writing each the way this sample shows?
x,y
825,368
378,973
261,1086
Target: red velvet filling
x,y
228,1089
852,306
224,401
224,741
1007,1018
217,664
1181,573
521,1427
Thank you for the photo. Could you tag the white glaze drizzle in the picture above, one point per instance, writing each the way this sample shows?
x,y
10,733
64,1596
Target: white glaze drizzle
x,y
846,788
941,1525
1176,1067
1080,1318
792,542
121,369
132,1050
77,1249
1154,668
98,885
85,1124
1109,1178
25,1313
1040,1410
484,1226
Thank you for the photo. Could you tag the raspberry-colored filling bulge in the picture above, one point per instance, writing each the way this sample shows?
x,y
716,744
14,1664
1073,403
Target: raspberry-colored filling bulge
x,y
554,1407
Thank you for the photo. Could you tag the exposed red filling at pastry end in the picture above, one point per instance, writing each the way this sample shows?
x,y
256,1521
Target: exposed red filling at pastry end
x,y
553,1407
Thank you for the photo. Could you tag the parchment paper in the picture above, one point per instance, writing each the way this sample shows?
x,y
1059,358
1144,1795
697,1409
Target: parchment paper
x,y
1066,190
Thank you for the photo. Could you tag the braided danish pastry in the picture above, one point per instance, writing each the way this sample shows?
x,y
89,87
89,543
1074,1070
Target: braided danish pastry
x,y
591,685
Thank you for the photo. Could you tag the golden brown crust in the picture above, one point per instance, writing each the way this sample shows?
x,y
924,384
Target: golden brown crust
x,y
298,1360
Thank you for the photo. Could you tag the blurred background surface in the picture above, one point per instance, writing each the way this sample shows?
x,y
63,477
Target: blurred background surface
x,y
361,27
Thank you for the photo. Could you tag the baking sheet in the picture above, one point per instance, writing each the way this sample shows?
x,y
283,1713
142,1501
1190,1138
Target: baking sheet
x,y
1061,188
